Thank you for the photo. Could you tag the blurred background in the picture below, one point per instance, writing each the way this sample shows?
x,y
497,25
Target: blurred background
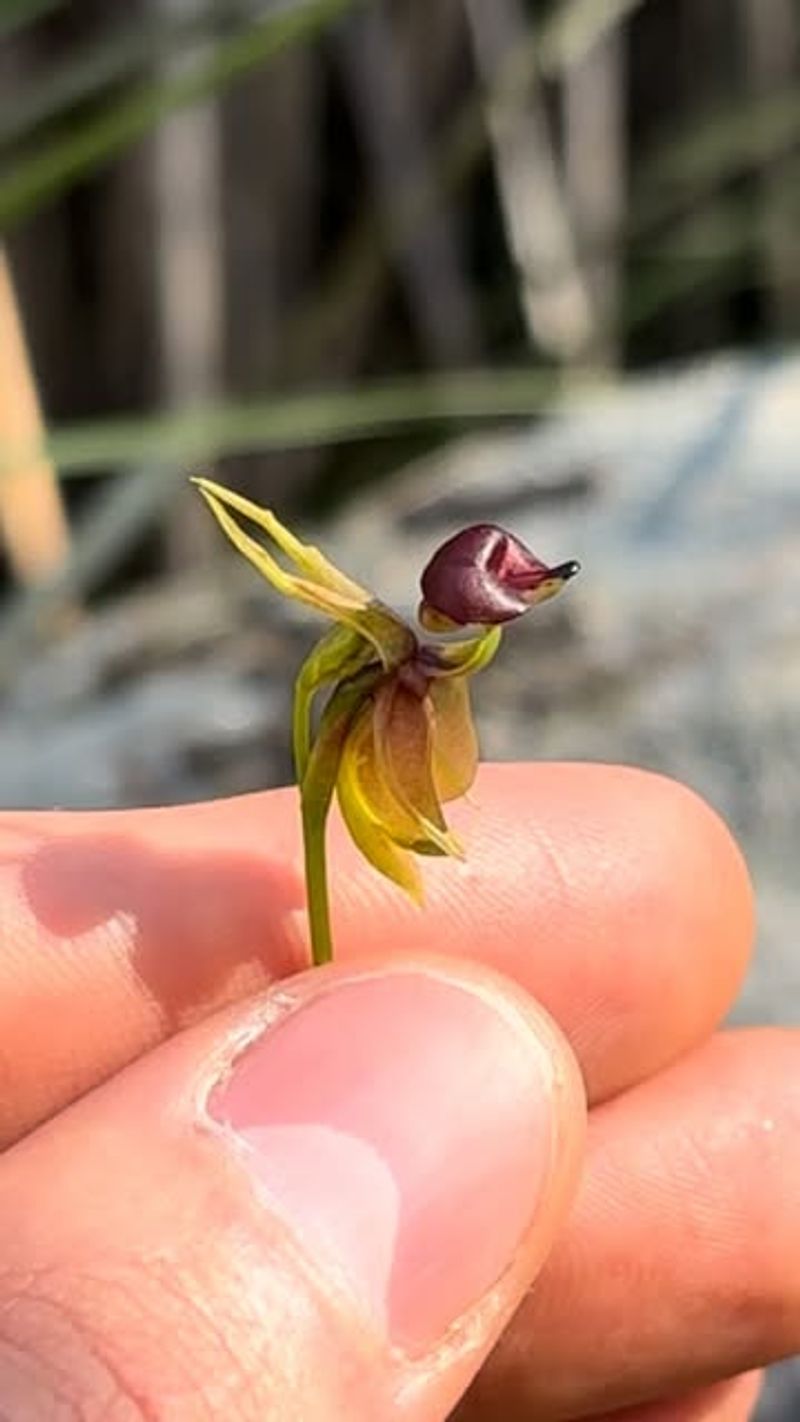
x,y
392,268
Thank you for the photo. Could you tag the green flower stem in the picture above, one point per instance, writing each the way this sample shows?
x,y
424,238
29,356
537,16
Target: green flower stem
x,y
316,864
316,793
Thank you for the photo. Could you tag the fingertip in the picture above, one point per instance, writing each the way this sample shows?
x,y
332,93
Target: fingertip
x,y
688,872
636,882
731,1400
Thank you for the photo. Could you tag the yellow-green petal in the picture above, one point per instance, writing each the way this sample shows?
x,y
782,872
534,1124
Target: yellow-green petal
x,y
366,831
312,564
319,584
454,757
402,732
380,802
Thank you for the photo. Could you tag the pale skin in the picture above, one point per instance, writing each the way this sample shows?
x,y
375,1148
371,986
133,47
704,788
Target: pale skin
x,y
143,1277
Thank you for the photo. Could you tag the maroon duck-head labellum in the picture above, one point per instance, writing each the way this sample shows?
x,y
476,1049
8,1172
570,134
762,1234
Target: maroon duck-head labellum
x,y
484,575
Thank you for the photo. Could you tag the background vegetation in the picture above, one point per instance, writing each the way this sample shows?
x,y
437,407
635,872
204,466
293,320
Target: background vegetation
x,y
315,236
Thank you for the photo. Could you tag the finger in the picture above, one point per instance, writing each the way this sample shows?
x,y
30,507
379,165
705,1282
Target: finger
x,y
730,1401
615,897
326,1204
679,1265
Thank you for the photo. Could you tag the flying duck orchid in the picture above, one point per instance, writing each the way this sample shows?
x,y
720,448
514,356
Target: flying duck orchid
x,y
394,741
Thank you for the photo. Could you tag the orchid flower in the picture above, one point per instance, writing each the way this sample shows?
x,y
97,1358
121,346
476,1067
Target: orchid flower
x,y
394,741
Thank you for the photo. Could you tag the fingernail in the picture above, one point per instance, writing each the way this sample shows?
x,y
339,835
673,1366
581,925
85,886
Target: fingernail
x,y
402,1126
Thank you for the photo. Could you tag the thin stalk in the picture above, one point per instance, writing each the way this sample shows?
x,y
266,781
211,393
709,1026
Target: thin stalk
x,y
316,792
304,690
316,867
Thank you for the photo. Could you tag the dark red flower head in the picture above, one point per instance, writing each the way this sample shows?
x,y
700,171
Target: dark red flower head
x,y
485,575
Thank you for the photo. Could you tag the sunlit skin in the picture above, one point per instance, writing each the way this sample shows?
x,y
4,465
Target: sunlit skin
x,y
615,898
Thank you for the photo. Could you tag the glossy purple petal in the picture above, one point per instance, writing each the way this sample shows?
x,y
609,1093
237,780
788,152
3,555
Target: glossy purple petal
x,y
486,575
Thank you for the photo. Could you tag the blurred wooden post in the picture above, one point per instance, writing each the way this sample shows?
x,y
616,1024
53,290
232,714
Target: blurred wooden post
x,y
427,248
554,296
772,46
189,276
594,165
32,519
272,175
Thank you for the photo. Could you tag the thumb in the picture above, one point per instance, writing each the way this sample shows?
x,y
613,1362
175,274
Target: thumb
x,y
324,1204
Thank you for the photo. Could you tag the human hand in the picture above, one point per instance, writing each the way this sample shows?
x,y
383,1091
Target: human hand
x,y
410,1128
